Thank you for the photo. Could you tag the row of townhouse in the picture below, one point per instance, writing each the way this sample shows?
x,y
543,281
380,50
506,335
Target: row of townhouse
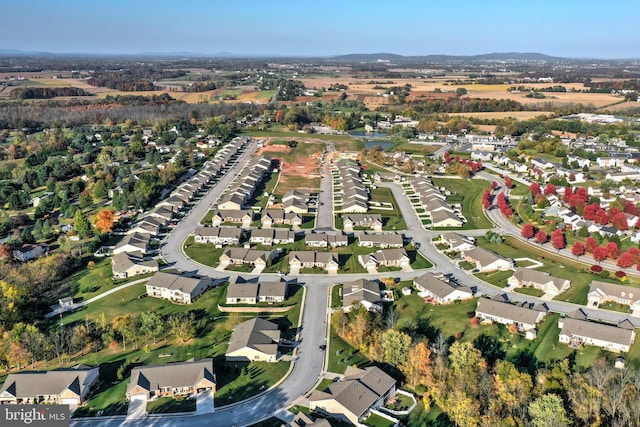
x,y
575,329
255,292
350,222
297,201
434,203
242,188
385,258
355,194
244,218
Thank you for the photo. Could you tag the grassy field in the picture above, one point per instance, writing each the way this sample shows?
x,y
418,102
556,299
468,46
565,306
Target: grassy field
x,y
167,405
342,355
467,192
496,278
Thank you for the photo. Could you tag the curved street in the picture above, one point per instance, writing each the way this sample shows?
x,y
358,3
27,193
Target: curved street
x,y
308,362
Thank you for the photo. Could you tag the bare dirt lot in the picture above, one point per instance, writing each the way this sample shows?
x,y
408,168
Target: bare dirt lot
x,y
299,165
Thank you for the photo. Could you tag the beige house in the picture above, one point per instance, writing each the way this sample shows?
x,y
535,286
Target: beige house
x,y
538,280
252,257
385,257
439,291
135,242
177,289
384,241
252,293
62,386
363,291
174,379
485,260
326,240
601,292
272,236
242,217
124,265
457,242
27,252
372,221
296,201
525,319
312,259
575,332
218,235
445,218
255,340
354,396
272,217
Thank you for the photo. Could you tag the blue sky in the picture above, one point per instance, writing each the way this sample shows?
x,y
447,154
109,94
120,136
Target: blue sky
x,y
569,28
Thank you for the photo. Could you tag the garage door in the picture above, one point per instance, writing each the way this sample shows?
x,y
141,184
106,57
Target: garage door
x,y
138,397
69,401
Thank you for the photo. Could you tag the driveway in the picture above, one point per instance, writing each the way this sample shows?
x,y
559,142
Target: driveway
x,y
137,409
204,402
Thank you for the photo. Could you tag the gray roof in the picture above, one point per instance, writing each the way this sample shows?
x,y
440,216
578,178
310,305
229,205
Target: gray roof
x,y
359,390
124,261
135,239
584,328
184,374
242,290
392,239
437,286
174,281
360,290
508,311
615,290
534,276
273,289
222,232
38,383
256,333
313,256
484,256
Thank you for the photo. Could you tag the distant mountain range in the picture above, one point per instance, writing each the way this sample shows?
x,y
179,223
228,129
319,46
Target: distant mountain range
x,y
355,57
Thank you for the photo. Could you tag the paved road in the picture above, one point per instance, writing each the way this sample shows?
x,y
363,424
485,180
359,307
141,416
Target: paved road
x,y
324,215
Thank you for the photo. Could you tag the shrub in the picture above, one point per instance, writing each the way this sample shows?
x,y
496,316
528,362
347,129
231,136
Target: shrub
x,y
620,274
596,268
604,274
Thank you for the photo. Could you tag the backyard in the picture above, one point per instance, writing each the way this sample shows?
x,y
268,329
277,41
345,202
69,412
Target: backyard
x,y
467,192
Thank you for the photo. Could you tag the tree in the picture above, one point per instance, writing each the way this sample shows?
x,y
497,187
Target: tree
x,y
535,189
599,253
577,249
528,231
550,189
557,239
612,250
626,260
619,221
396,347
548,411
508,183
590,244
81,224
105,220
541,236
183,326
417,367
151,325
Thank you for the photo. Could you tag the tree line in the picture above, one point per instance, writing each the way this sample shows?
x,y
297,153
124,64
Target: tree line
x,y
47,92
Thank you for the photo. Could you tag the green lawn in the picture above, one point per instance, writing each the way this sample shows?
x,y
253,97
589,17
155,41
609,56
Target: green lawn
x,y
204,253
496,278
384,195
468,192
375,420
166,405
432,418
237,381
336,299
622,308
418,261
206,219
107,398
529,291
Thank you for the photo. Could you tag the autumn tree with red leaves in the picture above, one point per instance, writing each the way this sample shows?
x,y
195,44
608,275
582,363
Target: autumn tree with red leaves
x,y
590,244
612,250
599,253
541,236
625,260
577,249
508,183
557,239
528,231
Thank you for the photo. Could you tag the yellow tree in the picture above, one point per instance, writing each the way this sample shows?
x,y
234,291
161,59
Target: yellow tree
x,y
417,368
105,220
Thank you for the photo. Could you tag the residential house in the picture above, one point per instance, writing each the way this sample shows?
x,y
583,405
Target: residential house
x,y
308,420
174,379
177,289
525,319
272,217
439,291
326,240
173,203
148,225
62,386
575,332
355,395
296,201
385,257
601,292
272,236
218,235
363,291
387,240
252,292
252,257
527,277
485,260
312,259
27,252
163,214
130,264
242,217
255,340
135,242
457,242
445,218
352,221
